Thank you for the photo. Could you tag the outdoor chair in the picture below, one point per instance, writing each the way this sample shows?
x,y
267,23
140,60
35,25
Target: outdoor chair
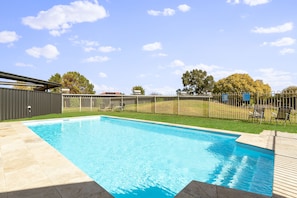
x,y
283,113
103,107
257,114
120,107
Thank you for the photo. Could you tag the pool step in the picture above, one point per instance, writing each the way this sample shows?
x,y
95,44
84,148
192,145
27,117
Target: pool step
x,y
223,173
259,175
230,172
238,172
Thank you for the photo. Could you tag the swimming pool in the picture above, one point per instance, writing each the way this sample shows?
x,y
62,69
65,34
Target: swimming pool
x,y
138,159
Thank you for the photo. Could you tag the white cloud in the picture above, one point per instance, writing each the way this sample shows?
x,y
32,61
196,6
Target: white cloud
x,y
154,12
277,79
287,51
102,75
19,64
143,75
96,59
233,1
48,52
244,16
286,41
152,46
89,46
216,71
184,8
148,75
208,68
165,12
107,49
249,2
8,37
177,63
103,88
256,2
88,43
60,18
168,12
276,29
165,90
162,54
221,73
89,49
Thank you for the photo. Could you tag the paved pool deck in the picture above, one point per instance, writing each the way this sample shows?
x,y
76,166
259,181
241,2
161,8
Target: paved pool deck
x,y
30,167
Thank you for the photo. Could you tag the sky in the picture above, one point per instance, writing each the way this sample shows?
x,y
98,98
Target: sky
x,y
119,44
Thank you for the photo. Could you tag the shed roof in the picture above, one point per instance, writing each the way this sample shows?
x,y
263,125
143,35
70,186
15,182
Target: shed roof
x,y
40,85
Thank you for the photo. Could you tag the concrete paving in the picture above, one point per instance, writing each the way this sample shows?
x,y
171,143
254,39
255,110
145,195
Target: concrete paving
x,y
30,167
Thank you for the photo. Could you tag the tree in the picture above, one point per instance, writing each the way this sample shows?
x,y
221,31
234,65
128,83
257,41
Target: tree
x,y
238,83
262,88
74,81
290,89
197,82
138,87
178,92
56,78
22,86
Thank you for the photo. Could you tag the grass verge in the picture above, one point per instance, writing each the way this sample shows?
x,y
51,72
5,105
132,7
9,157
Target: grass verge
x,y
231,125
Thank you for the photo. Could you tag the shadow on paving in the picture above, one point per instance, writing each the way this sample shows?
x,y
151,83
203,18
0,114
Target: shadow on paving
x,y
197,189
76,190
151,192
278,196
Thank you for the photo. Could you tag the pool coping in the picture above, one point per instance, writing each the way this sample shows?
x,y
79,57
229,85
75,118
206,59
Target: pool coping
x,y
25,155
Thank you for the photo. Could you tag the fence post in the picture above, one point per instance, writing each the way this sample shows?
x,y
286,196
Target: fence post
x,y
178,105
110,105
79,103
62,103
136,103
155,104
122,102
91,103
208,106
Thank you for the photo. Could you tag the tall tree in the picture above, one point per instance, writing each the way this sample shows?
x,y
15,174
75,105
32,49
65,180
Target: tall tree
x,y
238,83
23,86
56,78
138,87
74,81
290,89
197,82
262,88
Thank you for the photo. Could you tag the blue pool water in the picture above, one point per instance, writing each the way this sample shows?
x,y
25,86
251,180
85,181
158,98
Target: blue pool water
x,y
137,159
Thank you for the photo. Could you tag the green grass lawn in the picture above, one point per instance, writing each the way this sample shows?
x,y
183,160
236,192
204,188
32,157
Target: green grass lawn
x,y
225,124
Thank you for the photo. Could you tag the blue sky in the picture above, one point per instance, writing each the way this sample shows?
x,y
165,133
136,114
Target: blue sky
x,y
118,44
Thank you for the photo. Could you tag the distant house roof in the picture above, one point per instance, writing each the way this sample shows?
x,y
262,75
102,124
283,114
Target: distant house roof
x,y
111,93
40,85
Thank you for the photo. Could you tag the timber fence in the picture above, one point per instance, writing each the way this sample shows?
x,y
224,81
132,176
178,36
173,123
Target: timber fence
x,y
225,106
